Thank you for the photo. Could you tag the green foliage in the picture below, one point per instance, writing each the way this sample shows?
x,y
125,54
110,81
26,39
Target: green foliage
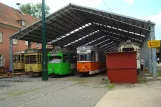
x,y
34,9
109,84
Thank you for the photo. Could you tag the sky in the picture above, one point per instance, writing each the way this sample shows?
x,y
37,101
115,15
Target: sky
x,y
142,9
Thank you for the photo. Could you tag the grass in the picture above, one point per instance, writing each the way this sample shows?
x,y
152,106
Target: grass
x,y
159,73
109,84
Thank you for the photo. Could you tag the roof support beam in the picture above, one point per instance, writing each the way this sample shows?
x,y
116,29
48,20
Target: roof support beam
x,y
89,39
95,40
87,18
90,34
102,42
113,47
109,44
122,37
74,35
120,32
82,18
105,16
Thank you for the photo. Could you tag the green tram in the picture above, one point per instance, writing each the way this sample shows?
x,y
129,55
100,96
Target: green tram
x,y
61,62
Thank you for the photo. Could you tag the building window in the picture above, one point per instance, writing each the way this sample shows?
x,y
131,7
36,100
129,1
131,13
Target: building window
x,y
14,41
23,23
1,37
26,42
1,60
37,45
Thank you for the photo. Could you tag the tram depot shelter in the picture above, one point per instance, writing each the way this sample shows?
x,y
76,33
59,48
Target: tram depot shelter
x,y
74,26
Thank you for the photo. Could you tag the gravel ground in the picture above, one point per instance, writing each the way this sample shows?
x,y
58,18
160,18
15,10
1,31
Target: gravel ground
x,y
69,91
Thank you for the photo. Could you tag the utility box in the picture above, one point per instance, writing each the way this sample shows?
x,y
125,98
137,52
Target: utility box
x,y
122,67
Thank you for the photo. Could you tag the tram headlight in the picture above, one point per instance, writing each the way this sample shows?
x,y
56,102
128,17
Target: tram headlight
x,y
83,68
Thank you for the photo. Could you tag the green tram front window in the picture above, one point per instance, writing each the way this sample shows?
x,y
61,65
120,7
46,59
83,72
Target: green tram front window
x,y
55,59
30,59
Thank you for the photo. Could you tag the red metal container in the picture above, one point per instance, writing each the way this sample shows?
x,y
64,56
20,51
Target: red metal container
x,y
122,67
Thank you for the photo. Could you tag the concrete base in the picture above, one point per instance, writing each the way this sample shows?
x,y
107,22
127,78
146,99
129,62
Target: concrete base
x,y
140,95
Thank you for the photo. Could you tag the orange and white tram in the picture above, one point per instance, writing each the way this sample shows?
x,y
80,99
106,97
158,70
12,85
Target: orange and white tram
x,y
90,60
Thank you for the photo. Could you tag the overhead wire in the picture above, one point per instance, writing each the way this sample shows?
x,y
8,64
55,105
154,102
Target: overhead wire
x,y
106,5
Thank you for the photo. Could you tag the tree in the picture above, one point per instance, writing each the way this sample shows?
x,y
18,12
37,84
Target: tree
x,y
34,9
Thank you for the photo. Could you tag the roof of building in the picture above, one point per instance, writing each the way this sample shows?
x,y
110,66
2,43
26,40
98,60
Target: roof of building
x,y
74,26
10,16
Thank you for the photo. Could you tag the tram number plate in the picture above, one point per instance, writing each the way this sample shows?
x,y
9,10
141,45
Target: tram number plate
x,y
84,51
52,54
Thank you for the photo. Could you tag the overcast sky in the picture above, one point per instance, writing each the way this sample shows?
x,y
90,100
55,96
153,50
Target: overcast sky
x,y
144,9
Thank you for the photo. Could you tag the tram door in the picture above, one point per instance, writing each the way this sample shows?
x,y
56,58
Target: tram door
x,y
18,62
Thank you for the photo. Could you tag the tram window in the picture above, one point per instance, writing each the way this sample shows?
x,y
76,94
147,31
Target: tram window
x,y
40,58
66,58
22,58
102,57
82,57
93,56
33,59
27,59
89,57
128,49
19,58
15,58
55,59
73,58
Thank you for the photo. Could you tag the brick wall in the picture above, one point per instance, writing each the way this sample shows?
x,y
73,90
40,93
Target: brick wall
x,y
4,45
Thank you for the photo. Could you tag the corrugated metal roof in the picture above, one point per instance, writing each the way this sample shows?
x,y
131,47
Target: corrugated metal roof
x,y
74,26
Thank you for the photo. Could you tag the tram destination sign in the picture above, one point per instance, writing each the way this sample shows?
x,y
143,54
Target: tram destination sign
x,y
84,51
154,44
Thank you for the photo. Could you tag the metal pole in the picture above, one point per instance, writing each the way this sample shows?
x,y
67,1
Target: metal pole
x,y
11,56
150,57
153,53
29,45
44,59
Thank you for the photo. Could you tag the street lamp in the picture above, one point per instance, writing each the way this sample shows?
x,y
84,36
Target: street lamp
x,y
44,59
18,4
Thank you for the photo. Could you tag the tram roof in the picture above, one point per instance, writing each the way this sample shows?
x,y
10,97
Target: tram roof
x,y
74,26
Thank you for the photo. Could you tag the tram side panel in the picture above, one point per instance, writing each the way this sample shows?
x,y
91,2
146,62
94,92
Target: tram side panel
x,y
33,62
